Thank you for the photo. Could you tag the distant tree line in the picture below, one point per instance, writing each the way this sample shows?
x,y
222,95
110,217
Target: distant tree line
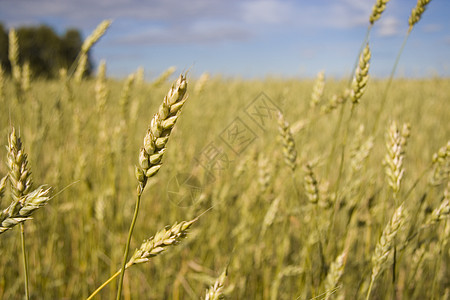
x,y
45,50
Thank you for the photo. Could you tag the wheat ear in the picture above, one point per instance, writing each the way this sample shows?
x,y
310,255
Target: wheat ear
x,y
385,245
169,236
440,165
289,152
317,93
2,84
201,82
377,10
215,292
88,43
159,131
24,202
311,184
361,76
417,12
395,142
151,153
335,273
16,214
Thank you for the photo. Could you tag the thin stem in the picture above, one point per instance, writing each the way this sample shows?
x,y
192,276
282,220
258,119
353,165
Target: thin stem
x,y
335,134
370,289
386,90
24,257
341,113
127,246
341,166
104,284
344,145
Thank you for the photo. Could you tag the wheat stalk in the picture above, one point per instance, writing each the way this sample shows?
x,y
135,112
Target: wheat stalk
x,y
334,101
361,76
164,76
16,214
442,212
201,82
264,175
417,12
395,142
2,84
13,55
215,292
167,237
270,215
289,152
377,10
441,165
159,131
98,32
318,87
139,76
125,97
19,172
335,273
88,43
3,182
385,245
81,68
26,77
151,153
311,184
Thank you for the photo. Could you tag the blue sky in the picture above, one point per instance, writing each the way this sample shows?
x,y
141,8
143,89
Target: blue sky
x,y
248,38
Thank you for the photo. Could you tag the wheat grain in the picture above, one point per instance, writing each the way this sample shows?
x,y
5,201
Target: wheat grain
x,y
394,157
101,91
201,82
335,273
440,165
139,76
2,84
334,101
289,152
317,93
442,212
215,292
13,55
3,182
20,212
125,97
361,76
95,36
88,43
170,236
377,10
417,12
19,172
385,244
159,131
81,68
264,174
310,183
270,215
26,77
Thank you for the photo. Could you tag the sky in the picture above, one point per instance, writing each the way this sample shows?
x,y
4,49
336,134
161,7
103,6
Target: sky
x,y
248,38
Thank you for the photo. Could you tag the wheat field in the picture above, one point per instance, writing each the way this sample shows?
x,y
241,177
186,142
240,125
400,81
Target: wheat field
x,y
266,189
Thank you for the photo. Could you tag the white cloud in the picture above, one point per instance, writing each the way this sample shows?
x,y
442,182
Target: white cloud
x,y
266,11
432,28
174,21
388,26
